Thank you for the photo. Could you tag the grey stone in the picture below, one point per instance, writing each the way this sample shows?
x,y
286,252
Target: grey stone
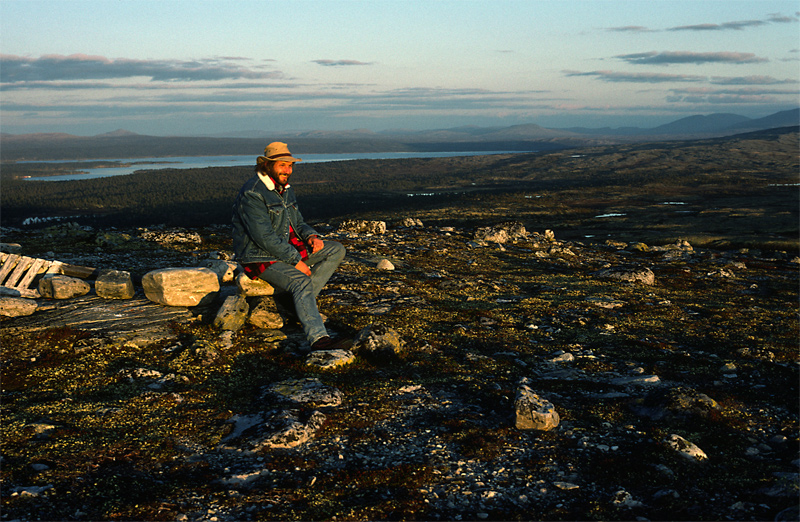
x,y
114,284
306,391
264,314
253,287
232,314
62,287
17,306
224,269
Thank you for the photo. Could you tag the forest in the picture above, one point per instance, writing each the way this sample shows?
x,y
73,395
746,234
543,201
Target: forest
x,y
743,189
198,197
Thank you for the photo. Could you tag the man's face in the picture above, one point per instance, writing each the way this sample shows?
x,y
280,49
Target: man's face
x,y
280,172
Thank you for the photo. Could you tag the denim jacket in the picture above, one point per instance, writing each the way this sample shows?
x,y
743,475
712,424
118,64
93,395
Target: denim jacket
x,y
261,219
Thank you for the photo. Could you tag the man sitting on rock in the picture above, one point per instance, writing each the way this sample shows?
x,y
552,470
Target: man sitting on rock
x,y
274,243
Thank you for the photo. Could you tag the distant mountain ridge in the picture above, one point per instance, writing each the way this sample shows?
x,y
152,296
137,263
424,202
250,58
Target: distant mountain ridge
x,y
122,143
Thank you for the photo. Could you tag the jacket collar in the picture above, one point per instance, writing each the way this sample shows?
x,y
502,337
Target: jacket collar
x,y
268,181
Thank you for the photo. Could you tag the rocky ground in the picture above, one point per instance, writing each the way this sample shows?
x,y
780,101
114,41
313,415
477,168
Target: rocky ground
x,y
673,370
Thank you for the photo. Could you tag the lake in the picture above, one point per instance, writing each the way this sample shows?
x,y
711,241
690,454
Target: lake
x,y
199,162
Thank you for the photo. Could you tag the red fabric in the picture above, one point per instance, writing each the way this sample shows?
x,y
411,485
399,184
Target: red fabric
x,y
253,270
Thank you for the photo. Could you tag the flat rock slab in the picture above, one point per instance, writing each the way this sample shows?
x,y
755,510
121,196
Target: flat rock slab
x,y
136,320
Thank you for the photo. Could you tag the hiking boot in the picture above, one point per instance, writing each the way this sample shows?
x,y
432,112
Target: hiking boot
x,y
326,343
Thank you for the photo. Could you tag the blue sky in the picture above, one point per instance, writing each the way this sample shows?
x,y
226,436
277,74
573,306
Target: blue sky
x,y
174,67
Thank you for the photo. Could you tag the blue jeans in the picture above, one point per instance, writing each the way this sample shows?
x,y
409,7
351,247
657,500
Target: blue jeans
x,y
303,289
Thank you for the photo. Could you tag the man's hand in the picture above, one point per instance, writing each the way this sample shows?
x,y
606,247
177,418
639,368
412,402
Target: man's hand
x,y
316,244
303,267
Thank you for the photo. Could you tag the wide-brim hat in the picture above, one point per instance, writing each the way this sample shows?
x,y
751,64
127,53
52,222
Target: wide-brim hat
x,y
277,151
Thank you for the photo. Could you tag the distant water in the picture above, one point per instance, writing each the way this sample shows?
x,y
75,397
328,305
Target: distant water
x,y
199,162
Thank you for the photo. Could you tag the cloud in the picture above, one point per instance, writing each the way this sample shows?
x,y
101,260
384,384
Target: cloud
x,y
85,67
614,76
340,63
671,57
629,29
751,80
729,96
738,26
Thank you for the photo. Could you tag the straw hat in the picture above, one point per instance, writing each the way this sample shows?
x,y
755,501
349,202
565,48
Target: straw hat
x,y
277,151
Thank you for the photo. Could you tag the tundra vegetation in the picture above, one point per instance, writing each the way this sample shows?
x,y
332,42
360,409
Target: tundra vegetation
x,y
705,353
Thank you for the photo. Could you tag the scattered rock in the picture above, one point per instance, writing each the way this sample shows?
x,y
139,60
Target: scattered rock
x,y
378,342
685,448
644,276
533,412
306,391
385,264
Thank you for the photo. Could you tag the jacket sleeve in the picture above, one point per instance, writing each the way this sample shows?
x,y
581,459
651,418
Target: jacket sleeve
x,y
254,214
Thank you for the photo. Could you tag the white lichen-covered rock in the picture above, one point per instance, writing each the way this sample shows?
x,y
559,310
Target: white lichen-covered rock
x,y
502,233
643,276
685,448
17,306
62,287
327,359
289,431
356,226
181,286
114,284
534,412
378,341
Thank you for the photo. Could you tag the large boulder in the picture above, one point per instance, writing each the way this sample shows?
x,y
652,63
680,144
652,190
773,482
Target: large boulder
x,y
181,286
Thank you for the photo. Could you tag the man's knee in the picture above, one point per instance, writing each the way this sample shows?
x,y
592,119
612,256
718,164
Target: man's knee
x,y
337,250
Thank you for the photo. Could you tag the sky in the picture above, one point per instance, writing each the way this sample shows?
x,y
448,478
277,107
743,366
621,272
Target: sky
x,y
217,67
